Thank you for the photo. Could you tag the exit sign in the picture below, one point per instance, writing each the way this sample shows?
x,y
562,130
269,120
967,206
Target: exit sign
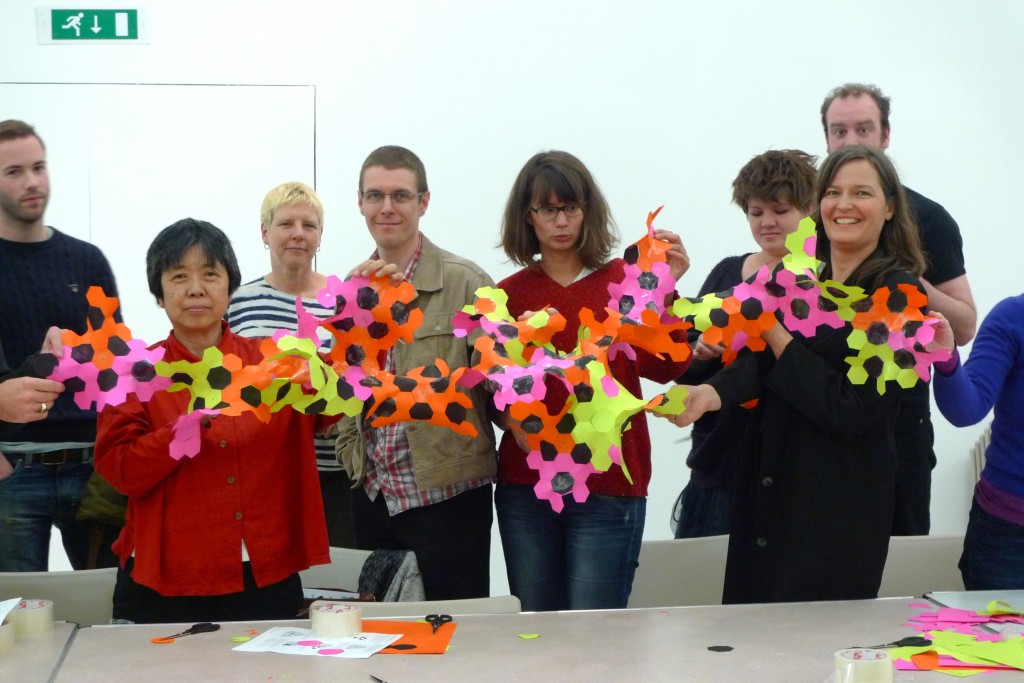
x,y
71,25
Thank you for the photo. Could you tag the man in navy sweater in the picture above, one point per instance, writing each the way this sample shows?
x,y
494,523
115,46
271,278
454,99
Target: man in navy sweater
x,y
44,277
858,114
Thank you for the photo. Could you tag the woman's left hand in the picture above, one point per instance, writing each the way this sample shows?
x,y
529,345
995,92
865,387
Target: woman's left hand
x,y
678,261
944,338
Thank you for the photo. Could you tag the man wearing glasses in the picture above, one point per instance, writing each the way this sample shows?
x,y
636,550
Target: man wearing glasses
x,y
858,114
422,487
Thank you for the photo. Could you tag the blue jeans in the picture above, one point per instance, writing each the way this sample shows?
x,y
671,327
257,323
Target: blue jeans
x,y
993,557
34,498
581,558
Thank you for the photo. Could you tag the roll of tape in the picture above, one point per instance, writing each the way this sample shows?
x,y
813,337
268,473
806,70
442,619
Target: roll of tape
x,y
31,617
6,636
336,619
861,665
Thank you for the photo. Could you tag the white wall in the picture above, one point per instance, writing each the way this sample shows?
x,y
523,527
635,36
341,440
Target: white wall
x,y
664,100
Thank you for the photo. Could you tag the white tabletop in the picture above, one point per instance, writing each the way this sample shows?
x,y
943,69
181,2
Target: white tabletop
x,y
790,642
977,600
36,658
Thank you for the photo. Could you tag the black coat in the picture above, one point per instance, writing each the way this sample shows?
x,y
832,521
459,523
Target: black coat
x,y
814,504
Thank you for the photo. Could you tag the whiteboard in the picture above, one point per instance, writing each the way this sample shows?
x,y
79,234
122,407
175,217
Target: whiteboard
x,y
128,160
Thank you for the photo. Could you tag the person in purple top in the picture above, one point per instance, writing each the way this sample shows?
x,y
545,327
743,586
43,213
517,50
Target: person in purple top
x,y
992,377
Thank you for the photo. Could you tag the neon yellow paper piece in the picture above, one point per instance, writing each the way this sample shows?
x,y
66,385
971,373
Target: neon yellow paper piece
x,y
802,244
999,607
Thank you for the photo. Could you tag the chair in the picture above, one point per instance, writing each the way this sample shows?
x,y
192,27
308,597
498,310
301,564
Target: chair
x,y
341,573
921,564
85,597
500,604
687,571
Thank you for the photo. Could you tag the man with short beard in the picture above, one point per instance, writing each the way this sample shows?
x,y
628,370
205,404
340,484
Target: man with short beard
x,y
44,277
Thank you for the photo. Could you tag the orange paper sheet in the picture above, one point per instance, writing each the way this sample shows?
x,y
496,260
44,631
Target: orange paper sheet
x,y
417,638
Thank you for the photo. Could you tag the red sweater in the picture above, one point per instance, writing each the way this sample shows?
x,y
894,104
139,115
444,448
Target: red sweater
x,y
532,290
187,518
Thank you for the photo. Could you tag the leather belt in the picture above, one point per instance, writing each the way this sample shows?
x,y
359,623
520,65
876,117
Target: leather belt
x,y
53,458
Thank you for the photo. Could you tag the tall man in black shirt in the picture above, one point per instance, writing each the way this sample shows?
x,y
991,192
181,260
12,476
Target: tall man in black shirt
x,y
858,114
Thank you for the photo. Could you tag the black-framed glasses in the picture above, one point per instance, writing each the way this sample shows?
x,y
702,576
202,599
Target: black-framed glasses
x,y
550,213
398,197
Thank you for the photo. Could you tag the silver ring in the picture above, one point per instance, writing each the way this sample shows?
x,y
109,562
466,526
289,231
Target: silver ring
x,y
42,408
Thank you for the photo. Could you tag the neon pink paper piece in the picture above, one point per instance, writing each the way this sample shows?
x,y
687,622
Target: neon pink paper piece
x,y
188,434
562,473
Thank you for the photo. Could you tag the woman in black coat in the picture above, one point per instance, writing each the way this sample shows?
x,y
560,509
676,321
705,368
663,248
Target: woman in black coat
x,y
814,507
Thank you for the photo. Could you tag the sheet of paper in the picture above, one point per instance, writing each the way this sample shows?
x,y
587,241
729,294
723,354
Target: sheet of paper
x,y
301,641
6,606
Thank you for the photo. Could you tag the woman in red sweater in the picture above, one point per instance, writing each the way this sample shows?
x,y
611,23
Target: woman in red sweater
x,y
585,556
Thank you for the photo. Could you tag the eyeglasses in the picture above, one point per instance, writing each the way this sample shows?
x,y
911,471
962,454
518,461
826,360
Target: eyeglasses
x,y
550,213
399,197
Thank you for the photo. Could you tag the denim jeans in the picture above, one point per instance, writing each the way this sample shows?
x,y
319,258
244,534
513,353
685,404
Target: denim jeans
x,y
32,500
993,557
584,557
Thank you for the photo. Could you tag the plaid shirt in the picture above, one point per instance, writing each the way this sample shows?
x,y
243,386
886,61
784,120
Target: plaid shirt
x,y
388,456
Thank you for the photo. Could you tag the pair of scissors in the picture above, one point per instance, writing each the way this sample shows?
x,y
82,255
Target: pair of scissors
x,y
909,641
436,620
205,627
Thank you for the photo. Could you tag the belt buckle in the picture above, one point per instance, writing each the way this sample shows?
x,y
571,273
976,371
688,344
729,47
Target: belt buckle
x,y
54,458
64,456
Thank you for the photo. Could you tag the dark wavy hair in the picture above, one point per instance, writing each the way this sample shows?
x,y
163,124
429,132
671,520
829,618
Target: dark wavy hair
x,y
564,176
169,247
899,245
777,175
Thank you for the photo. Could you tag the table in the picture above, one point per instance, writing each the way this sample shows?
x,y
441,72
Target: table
x,y
781,642
976,600
38,657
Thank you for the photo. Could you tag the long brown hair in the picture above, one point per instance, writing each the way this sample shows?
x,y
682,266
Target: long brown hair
x,y
564,176
899,245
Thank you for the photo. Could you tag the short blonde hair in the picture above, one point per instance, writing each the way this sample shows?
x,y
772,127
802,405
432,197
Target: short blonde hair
x,y
290,193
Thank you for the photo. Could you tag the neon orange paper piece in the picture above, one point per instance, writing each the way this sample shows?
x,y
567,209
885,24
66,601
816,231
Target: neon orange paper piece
x,y
418,637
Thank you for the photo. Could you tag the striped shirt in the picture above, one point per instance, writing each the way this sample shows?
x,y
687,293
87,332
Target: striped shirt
x,y
389,467
259,310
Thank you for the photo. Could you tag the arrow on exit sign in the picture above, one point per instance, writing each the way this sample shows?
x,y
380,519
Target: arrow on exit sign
x,y
64,24
94,24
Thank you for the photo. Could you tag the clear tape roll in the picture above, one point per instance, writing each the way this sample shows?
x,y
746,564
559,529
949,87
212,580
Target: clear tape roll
x,y
31,617
861,665
336,619
6,636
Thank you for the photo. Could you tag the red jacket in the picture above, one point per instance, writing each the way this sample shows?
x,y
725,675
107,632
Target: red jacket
x,y
250,481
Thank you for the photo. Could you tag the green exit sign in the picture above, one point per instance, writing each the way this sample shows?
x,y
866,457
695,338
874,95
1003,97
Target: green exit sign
x,y
68,25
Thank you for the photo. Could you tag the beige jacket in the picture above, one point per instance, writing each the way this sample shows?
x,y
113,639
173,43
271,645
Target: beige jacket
x,y
444,284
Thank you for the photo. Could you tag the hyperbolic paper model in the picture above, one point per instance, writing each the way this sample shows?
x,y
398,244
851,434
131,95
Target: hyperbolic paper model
x,y
106,364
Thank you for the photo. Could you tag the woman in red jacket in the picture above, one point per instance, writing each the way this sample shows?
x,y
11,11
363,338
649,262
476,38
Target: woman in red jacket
x,y
220,536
